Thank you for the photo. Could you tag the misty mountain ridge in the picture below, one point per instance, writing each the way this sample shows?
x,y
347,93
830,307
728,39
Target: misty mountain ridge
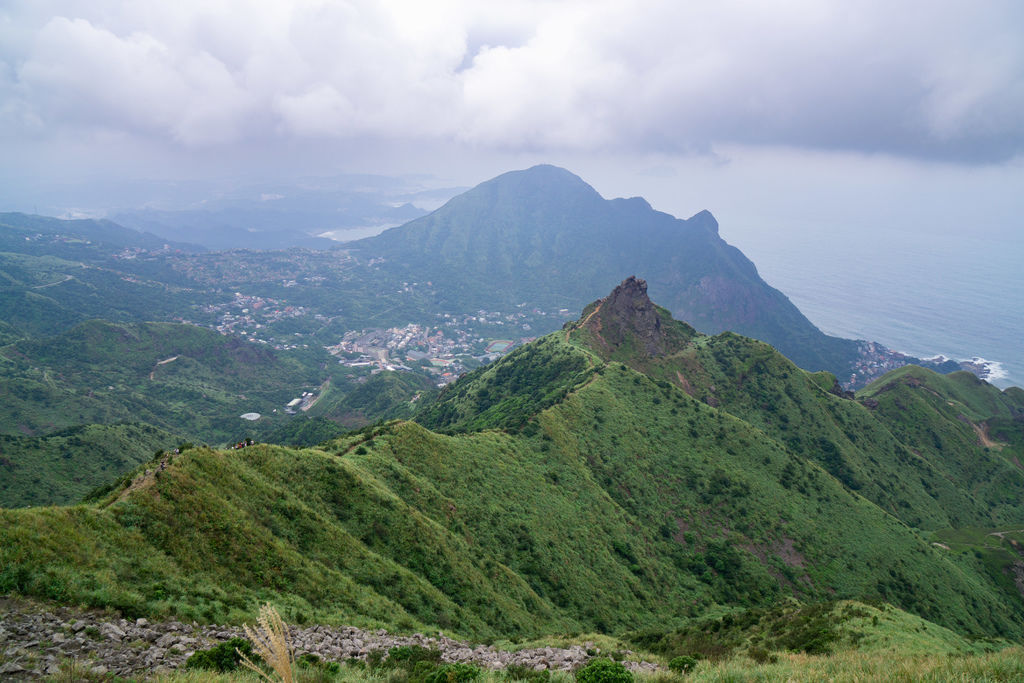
x,y
540,237
27,233
313,213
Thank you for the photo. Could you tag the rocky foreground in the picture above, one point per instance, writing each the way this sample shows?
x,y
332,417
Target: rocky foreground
x,y
35,641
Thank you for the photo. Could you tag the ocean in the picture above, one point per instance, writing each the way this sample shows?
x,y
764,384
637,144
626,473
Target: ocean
x,y
923,294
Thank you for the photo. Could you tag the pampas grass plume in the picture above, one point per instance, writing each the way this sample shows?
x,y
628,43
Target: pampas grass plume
x,y
270,641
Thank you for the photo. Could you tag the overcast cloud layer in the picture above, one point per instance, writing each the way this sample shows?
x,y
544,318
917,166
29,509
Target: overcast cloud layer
x,y
922,80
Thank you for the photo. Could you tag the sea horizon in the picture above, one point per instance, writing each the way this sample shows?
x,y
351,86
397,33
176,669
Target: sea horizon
x,y
918,293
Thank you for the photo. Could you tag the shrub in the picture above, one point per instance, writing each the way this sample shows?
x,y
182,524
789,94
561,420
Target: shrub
x,y
457,672
223,658
374,658
518,672
683,664
603,671
315,669
761,655
408,656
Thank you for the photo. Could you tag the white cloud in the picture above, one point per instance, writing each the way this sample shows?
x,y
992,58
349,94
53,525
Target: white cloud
x,y
937,79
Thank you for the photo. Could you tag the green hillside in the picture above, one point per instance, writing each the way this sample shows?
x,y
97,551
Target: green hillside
x,y
623,474
60,468
182,378
31,234
386,394
822,628
46,295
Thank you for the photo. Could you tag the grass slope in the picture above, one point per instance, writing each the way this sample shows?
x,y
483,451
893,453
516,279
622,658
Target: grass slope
x,y
572,492
182,378
46,294
60,468
889,456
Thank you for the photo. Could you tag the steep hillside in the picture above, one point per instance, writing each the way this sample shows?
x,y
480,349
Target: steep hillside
x,y
545,237
964,483
596,479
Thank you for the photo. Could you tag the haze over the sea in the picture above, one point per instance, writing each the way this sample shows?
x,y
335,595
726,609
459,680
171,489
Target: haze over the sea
x,y
917,293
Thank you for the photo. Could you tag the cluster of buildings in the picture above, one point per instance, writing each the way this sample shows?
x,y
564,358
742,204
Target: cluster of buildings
x,y
415,346
244,315
875,360
130,253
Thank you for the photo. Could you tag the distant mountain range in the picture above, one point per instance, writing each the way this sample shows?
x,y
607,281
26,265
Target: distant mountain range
x,y
282,216
43,235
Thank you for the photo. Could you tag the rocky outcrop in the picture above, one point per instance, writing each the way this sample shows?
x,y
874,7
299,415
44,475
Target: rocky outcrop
x,y
838,390
628,316
629,306
36,642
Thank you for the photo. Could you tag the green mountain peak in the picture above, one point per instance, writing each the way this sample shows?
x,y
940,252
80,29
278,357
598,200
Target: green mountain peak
x,y
544,236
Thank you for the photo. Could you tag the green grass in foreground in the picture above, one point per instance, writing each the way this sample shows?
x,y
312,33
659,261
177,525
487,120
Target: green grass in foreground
x,y
1005,665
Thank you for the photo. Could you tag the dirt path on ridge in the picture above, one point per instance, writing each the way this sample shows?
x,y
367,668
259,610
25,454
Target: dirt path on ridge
x,y
584,321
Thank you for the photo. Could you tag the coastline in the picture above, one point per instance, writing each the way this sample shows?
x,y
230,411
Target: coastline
x,y
989,370
876,359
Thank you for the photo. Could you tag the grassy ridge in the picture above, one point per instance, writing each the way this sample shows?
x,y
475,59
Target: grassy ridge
x,y
217,532
574,492
818,629
483,534
969,429
878,449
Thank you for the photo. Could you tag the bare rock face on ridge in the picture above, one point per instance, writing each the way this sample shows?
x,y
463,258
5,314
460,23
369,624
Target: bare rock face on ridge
x,y
627,325
629,306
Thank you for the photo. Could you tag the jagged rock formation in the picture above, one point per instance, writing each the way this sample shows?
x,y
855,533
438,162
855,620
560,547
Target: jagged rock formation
x,y
630,307
627,323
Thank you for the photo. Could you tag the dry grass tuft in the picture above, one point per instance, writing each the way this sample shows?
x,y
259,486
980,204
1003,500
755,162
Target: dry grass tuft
x,y
270,641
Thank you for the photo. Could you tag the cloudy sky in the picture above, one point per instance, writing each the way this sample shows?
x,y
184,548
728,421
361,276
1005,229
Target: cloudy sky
x,y
747,108
829,123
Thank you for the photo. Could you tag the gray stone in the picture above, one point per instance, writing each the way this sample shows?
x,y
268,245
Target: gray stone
x,y
166,640
112,631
